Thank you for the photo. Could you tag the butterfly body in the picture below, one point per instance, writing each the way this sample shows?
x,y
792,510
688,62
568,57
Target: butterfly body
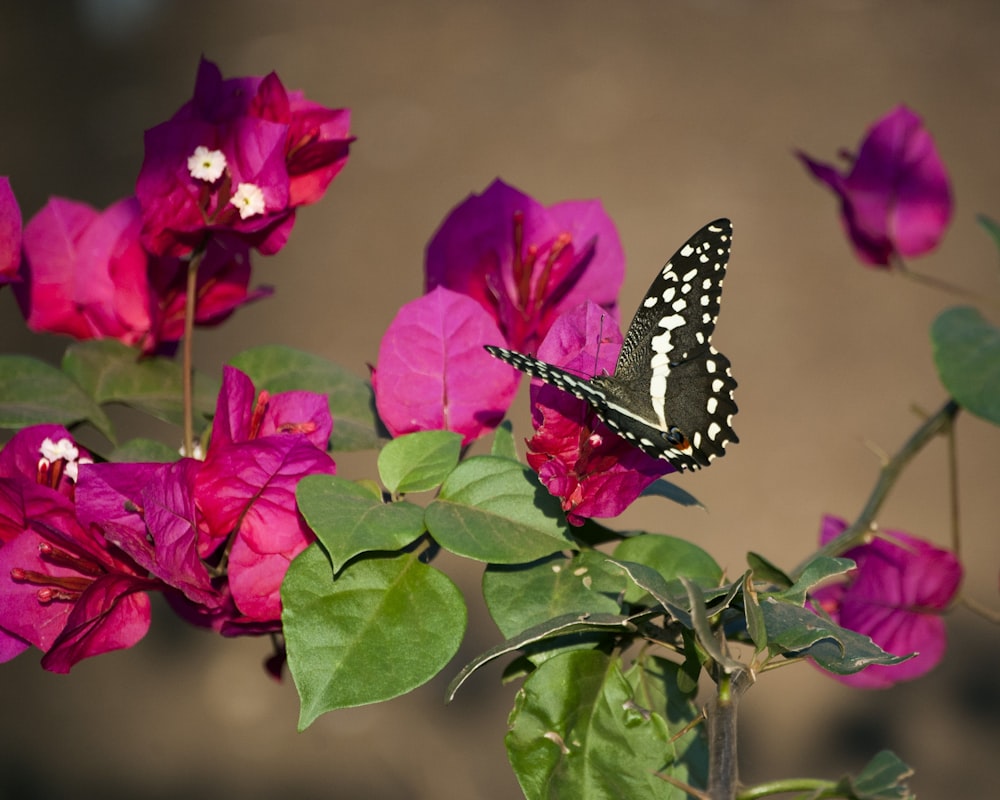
x,y
671,393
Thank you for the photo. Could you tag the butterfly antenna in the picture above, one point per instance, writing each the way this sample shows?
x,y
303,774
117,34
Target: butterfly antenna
x,y
600,340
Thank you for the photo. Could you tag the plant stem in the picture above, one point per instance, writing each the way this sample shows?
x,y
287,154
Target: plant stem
x,y
815,787
860,529
956,534
939,284
721,714
187,351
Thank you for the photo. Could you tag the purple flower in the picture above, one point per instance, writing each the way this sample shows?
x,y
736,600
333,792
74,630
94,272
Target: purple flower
x,y
580,460
896,595
433,373
10,233
238,158
526,263
896,196
148,512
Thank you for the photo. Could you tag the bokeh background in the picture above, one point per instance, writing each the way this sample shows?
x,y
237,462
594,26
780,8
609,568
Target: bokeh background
x,y
673,113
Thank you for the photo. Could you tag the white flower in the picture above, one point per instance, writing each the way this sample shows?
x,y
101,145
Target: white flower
x,y
206,165
73,468
249,199
64,448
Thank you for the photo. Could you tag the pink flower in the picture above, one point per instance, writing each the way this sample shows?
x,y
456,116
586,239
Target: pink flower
x,y
526,263
242,415
63,587
896,196
222,287
433,373
10,233
85,274
591,469
245,490
239,157
896,595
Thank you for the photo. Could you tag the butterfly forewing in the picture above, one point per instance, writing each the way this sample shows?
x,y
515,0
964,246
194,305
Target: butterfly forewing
x,y
678,313
671,393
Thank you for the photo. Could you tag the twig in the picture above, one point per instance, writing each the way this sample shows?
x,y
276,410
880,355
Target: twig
x,y
891,469
187,353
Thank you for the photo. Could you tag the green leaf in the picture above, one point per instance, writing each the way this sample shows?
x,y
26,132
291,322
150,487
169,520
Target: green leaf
x,y
578,730
766,571
753,615
883,778
418,462
522,596
671,596
967,356
815,572
349,518
671,491
144,450
671,557
658,686
991,227
382,628
34,393
796,632
493,509
593,533
352,404
702,626
111,372
503,441
560,626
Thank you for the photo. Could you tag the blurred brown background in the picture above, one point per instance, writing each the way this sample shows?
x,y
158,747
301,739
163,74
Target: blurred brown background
x,y
672,113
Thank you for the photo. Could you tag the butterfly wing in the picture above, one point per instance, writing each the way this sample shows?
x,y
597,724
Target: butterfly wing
x,y
671,393
671,390
677,316
567,381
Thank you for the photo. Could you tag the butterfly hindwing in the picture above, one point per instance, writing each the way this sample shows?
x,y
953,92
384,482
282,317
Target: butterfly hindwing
x,y
671,393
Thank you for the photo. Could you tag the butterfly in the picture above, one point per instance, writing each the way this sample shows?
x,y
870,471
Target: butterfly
x,y
671,393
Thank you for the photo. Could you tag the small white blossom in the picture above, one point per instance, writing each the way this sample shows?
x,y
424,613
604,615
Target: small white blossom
x,y
249,199
73,467
206,165
64,448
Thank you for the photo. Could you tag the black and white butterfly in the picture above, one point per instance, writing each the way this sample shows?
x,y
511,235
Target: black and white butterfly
x,y
671,393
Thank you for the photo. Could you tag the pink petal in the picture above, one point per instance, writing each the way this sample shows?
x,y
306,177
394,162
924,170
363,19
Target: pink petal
x,y
895,595
524,263
10,233
433,373
112,614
